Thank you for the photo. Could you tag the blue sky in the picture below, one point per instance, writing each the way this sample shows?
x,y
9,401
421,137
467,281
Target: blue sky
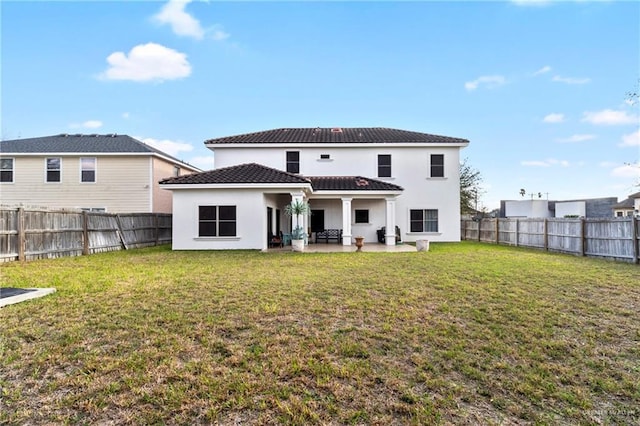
x,y
538,87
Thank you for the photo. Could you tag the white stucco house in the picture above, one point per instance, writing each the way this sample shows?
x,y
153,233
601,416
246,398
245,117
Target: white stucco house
x,y
356,181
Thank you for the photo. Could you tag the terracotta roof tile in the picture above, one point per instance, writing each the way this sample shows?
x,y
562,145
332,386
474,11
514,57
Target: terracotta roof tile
x,y
350,183
335,135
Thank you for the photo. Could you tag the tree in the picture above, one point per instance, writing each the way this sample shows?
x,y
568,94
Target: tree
x,y
470,180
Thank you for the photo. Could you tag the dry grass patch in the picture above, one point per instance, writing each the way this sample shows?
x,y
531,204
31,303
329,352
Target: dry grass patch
x,y
463,334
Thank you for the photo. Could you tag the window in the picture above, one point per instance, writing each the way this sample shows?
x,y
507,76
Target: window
x,y
6,170
437,165
325,156
217,221
424,220
384,165
87,169
293,161
362,216
53,169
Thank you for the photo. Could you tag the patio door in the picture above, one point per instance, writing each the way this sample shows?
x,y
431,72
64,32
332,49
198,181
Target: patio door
x,y
317,220
269,222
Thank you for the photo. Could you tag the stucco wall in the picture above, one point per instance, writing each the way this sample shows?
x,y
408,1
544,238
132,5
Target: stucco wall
x,y
250,219
410,169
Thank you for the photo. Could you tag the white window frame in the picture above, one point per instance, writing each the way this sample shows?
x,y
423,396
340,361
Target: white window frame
x,y
436,232
444,175
46,170
95,170
13,170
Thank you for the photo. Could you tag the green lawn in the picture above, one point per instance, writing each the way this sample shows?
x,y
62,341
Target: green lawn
x,y
464,334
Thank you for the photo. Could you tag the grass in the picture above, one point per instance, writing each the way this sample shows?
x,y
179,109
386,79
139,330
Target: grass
x,y
464,334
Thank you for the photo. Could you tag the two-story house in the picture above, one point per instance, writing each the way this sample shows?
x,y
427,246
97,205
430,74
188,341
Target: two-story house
x,y
105,173
356,180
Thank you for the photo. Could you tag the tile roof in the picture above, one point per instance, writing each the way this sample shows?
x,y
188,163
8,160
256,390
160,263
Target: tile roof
x,y
350,183
243,173
257,174
335,135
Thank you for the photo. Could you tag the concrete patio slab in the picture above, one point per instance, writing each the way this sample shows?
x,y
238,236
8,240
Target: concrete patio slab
x,y
339,248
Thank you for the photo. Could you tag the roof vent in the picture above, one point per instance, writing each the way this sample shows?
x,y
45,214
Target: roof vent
x,y
336,130
64,135
362,182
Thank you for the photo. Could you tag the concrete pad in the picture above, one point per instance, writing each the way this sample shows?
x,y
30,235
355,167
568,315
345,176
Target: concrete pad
x,y
11,295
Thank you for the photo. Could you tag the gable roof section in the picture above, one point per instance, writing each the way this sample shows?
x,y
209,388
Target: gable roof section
x,y
335,136
240,174
80,143
350,183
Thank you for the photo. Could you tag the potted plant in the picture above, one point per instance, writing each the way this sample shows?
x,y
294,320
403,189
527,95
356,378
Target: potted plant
x,y
295,210
359,243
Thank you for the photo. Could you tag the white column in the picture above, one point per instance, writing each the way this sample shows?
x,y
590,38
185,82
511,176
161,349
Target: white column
x,y
346,221
390,223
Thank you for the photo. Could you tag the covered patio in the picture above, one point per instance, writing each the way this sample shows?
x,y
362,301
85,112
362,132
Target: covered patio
x,y
340,248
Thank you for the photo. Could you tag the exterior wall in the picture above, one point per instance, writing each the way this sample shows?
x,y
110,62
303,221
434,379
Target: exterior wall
x,y
577,208
410,169
527,208
122,184
162,169
251,219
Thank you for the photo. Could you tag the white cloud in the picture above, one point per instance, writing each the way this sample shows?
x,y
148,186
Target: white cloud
x,y
609,117
627,171
553,118
167,146
545,163
89,124
488,81
125,115
632,139
147,62
181,22
543,70
204,163
576,138
218,34
570,80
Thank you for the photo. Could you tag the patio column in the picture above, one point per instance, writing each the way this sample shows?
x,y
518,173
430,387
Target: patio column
x,y
346,221
297,220
390,223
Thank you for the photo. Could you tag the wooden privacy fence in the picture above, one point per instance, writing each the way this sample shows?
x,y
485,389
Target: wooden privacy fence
x,y
613,238
40,234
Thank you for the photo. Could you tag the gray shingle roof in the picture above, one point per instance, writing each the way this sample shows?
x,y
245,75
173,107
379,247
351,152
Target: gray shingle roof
x,y
335,135
350,183
243,173
82,143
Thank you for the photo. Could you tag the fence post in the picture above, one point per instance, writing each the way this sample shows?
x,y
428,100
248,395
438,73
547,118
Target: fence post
x,y
635,238
479,228
155,222
517,232
583,237
21,236
545,231
85,233
497,231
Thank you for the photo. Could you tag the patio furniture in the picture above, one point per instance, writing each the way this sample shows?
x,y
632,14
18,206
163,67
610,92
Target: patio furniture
x,y
329,234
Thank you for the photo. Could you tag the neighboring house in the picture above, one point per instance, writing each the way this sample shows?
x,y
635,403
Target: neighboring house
x,y
536,208
109,173
628,207
356,180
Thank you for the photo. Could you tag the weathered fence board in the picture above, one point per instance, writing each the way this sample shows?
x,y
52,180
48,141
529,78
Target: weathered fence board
x,y
40,234
613,238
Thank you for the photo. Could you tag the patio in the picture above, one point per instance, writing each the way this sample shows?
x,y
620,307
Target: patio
x,y
337,248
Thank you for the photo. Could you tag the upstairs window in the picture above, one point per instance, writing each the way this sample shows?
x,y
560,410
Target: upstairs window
x,y
423,220
88,169
53,169
6,170
384,165
217,221
293,161
437,165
